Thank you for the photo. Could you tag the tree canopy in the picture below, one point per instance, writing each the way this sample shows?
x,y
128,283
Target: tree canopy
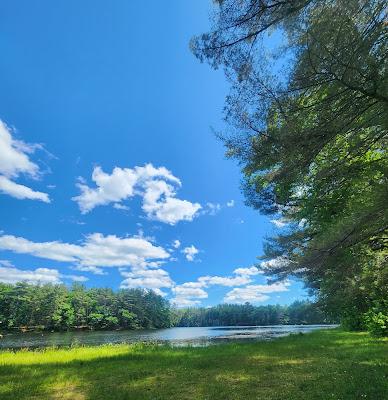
x,y
57,307
308,124
27,307
299,312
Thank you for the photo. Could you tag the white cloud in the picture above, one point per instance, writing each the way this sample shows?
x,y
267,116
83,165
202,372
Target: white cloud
x,y
6,263
110,188
185,293
39,275
274,263
93,270
10,274
157,187
215,208
225,280
250,271
171,210
176,244
76,278
279,223
255,293
14,161
184,302
20,191
96,250
212,208
14,158
154,279
189,292
119,206
159,292
190,252
193,284
206,281
243,295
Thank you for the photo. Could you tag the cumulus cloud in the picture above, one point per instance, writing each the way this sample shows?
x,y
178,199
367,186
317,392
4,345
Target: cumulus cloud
x,y
154,279
225,280
10,274
171,210
184,302
96,250
39,275
190,252
15,161
188,293
76,278
230,203
255,293
157,187
243,295
250,271
176,244
93,270
193,284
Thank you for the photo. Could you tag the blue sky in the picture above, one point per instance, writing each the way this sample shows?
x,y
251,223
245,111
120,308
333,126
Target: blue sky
x,y
109,171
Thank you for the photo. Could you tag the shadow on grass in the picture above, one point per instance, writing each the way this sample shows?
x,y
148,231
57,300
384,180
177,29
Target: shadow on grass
x,y
312,366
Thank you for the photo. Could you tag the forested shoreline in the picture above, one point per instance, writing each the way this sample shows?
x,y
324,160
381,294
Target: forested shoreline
x,y
297,313
27,307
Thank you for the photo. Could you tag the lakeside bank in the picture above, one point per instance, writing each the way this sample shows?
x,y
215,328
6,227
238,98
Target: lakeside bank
x,y
330,364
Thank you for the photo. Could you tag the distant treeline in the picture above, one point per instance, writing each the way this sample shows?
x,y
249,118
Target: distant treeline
x,y
57,307
299,312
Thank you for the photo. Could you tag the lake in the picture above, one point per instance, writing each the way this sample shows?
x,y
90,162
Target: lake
x,y
201,336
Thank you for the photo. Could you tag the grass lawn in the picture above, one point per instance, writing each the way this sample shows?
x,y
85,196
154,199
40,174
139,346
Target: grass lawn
x,y
329,364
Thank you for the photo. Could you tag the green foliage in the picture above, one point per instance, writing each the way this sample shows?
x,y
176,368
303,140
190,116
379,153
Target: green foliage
x,y
321,365
376,319
56,307
312,138
299,312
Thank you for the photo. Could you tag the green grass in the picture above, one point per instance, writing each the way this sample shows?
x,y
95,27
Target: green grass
x,y
329,364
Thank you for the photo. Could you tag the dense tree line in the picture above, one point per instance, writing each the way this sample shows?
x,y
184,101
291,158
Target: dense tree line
x,y
57,307
299,312
308,123
26,307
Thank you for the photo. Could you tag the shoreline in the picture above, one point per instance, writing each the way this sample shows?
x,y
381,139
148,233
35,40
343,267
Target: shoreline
x,y
320,365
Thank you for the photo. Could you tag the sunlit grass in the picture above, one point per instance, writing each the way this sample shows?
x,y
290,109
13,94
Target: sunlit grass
x,y
320,365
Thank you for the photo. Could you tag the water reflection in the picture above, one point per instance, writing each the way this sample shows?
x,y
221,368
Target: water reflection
x,y
201,336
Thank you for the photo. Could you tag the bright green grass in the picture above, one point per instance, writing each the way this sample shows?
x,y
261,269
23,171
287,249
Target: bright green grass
x,y
322,365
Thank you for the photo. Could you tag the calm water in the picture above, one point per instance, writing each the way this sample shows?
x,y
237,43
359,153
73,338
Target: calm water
x,y
175,336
